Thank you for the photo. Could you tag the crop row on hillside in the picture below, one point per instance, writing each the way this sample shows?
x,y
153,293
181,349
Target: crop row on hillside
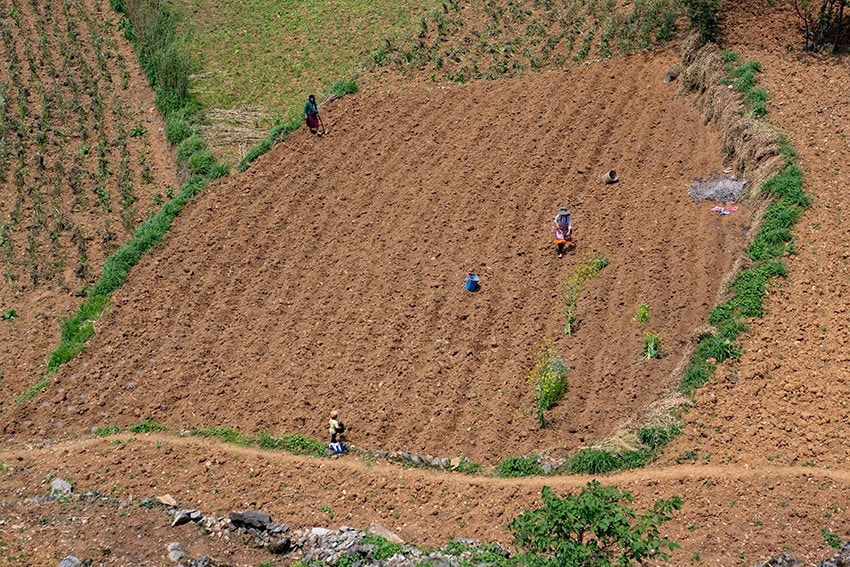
x,y
486,39
74,159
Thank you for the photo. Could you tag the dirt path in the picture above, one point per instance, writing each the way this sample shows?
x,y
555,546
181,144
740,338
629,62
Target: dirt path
x,y
729,509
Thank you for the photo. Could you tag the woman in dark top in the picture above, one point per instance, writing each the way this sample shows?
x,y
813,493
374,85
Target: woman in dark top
x,y
311,113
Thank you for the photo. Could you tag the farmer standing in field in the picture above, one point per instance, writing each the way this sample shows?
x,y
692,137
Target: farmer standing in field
x,y
335,426
563,229
311,114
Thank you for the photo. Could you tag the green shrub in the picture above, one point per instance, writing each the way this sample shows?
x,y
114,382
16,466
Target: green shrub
x,y
788,185
342,87
651,345
548,379
721,313
490,554
300,445
226,434
831,539
190,146
269,442
697,373
178,128
718,348
147,426
592,461
596,528
9,315
382,548
218,170
106,431
468,466
704,19
201,162
519,466
656,438
750,286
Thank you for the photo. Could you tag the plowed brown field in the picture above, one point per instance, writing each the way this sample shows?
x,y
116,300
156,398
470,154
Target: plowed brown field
x,y
331,275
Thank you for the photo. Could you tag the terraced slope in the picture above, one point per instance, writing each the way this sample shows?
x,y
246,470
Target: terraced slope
x,y
331,274
747,495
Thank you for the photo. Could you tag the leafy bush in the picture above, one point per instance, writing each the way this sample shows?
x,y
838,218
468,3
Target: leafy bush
x,y
9,315
596,528
831,539
592,461
296,444
697,373
382,548
518,466
147,426
190,146
651,345
201,162
704,18
106,431
342,87
656,438
718,348
177,127
468,466
269,442
226,434
548,379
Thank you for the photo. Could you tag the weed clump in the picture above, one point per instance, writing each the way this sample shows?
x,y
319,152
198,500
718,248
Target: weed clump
x,y
651,345
548,379
147,426
519,466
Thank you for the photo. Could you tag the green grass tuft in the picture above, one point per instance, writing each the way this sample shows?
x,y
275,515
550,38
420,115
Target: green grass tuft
x,y
147,426
33,391
519,466
226,434
106,430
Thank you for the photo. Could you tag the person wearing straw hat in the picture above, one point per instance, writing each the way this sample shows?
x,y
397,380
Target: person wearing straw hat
x,y
563,229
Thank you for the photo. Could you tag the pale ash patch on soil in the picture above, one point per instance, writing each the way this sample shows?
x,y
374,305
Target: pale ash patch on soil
x,y
722,189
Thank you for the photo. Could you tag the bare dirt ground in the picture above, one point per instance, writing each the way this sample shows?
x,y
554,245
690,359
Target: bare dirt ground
x,y
331,275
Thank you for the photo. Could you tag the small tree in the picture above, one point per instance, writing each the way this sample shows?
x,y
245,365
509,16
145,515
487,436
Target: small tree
x,y
597,528
704,18
823,22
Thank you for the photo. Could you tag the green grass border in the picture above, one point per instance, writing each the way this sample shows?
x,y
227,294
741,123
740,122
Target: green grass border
x,y
281,130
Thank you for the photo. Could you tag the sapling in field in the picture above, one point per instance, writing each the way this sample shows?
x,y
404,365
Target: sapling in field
x,y
575,283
